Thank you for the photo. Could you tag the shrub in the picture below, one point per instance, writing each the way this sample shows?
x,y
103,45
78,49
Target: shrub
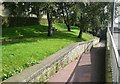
x,y
19,21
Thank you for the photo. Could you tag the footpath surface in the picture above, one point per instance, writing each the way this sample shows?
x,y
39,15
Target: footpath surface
x,y
90,67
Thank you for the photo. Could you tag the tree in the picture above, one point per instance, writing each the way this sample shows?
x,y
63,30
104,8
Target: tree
x,y
81,16
17,9
26,9
88,16
37,9
65,11
49,17
50,9
92,16
98,18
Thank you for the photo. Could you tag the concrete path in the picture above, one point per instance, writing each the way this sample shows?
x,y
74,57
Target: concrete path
x,y
89,68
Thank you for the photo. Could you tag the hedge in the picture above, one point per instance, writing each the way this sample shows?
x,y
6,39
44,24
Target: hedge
x,y
19,21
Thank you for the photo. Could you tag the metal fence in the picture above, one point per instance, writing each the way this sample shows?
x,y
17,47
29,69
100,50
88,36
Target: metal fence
x,y
115,59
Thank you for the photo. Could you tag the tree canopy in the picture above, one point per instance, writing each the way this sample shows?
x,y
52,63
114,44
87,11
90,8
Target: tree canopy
x,y
90,16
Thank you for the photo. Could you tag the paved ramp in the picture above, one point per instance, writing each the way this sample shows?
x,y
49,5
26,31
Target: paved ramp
x,y
89,68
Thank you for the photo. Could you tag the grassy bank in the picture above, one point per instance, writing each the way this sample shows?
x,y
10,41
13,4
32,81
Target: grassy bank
x,y
31,44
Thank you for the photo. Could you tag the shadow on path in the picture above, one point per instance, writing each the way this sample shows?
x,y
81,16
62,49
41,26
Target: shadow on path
x,y
91,66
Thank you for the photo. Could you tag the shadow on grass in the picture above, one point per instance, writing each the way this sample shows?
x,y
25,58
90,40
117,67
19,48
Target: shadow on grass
x,y
43,36
35,33
21,32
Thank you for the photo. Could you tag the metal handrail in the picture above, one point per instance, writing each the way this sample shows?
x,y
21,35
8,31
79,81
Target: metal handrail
x,y
115,59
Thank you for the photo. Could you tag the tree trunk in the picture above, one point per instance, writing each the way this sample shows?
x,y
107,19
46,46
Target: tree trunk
x,y
66,19
49,18
81,27
80,33
68,26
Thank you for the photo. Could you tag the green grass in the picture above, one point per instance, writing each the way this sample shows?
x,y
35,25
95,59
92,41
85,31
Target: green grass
x,y
31,44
